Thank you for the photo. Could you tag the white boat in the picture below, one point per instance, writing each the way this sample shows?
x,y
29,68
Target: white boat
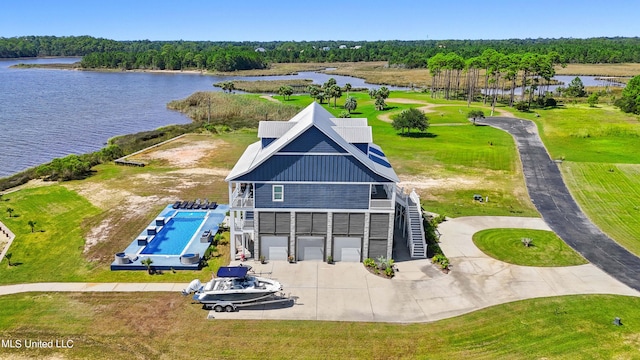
x,y
233,284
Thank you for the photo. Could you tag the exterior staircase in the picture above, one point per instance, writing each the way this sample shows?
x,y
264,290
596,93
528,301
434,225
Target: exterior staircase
x,y
413,221
418,245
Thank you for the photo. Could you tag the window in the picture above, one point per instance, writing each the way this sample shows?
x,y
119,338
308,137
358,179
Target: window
x,y
278,193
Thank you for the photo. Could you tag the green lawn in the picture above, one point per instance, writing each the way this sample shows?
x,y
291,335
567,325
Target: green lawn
x,y
610,195
167,325
546,248
583,134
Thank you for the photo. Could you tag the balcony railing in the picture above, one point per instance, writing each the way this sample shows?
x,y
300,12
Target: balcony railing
x,y
381,204
242,199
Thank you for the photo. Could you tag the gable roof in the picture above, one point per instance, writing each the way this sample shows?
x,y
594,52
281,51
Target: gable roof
x,y
313,115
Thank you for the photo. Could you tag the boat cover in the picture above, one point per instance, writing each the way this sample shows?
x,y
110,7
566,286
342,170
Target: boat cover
x,y
233,271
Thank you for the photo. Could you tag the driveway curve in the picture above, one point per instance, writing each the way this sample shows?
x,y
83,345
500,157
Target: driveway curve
x,y
551,197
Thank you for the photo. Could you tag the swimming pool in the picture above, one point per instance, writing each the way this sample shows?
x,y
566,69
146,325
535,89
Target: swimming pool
x,y
175,234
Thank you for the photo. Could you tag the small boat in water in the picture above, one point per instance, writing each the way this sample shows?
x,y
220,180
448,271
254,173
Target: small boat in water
x,y
233,284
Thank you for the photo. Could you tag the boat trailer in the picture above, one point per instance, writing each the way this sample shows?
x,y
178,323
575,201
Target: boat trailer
x,y
230,306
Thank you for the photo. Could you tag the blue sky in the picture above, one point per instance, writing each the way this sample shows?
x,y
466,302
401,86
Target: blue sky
x,y
299,20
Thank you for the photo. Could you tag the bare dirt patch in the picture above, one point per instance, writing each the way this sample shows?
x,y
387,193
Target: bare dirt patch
x,y
270,98
187,154
426,183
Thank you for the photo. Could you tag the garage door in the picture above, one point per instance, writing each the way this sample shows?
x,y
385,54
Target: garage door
x,y
310,248
347,249
274,247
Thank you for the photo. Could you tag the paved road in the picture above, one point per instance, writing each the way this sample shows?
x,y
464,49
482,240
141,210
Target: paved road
x,y
551,197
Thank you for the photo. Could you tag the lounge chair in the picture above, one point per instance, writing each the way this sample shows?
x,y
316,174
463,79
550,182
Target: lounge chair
x,y
205,205
190,205
213,205
184,205
176,205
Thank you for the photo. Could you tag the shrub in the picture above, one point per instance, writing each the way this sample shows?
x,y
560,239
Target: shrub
x,y
550,102
388,271
526,241
369,262
522,106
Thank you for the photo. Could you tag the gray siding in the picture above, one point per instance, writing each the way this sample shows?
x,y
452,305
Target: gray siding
x,y
271,223
314,196
347,224
326,168
311,224
379,226
377,248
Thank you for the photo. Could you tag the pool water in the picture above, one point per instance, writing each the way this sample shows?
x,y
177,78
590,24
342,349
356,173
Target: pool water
x,y
175,234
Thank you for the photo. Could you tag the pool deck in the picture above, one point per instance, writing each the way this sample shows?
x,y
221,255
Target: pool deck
x,y
169,262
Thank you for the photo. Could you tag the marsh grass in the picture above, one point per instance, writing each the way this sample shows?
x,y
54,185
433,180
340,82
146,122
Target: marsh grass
x,y
624,69
234,111
167,325
546,248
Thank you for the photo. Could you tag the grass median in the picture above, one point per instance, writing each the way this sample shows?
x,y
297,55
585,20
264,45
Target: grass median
x,y
545,247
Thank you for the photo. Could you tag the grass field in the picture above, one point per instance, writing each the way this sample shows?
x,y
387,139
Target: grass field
x,y
583,134
546,248
168,326
610,195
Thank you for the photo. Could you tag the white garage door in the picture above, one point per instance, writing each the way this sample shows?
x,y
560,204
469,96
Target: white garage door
x,y
274,247
347,249
310,248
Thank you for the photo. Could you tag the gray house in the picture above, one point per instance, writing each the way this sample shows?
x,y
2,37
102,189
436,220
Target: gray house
x,y
317,186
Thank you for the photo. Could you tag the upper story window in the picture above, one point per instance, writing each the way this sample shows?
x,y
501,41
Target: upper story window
x,y
278,193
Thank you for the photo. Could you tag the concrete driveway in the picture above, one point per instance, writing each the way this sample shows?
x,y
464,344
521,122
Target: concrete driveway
x,y
420,292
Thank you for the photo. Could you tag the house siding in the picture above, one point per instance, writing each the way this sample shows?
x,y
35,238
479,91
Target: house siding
x,y
313,140
315,196
321,168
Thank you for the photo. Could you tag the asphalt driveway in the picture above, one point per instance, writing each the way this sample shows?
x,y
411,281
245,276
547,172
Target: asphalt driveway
x,y
551,197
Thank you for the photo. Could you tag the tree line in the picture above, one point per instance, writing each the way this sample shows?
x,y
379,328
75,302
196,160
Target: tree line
x,y
410,54
170,57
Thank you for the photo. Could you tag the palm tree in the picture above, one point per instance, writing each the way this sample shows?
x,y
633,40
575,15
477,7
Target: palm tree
x,y
335,92
147,262
372,93
351,104
10,211
32,224
347,87
383,92
380,104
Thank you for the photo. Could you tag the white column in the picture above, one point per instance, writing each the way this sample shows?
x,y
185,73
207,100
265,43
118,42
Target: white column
x,y
256,237
390,238
329,241
292,236
365,236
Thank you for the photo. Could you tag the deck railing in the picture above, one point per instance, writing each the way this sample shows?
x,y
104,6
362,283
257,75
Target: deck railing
x,y
242,199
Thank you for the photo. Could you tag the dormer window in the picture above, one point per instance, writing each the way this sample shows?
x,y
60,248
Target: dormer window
x,y
278,193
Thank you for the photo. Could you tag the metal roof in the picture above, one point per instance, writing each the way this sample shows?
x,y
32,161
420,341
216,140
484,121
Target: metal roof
x,y
273,129
312,115
355,134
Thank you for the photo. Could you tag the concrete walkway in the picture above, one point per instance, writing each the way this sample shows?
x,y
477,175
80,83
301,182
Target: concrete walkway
x,y
553,200
418,293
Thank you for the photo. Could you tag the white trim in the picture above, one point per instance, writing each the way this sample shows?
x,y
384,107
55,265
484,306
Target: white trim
x,y
377,211
324,182
273,193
